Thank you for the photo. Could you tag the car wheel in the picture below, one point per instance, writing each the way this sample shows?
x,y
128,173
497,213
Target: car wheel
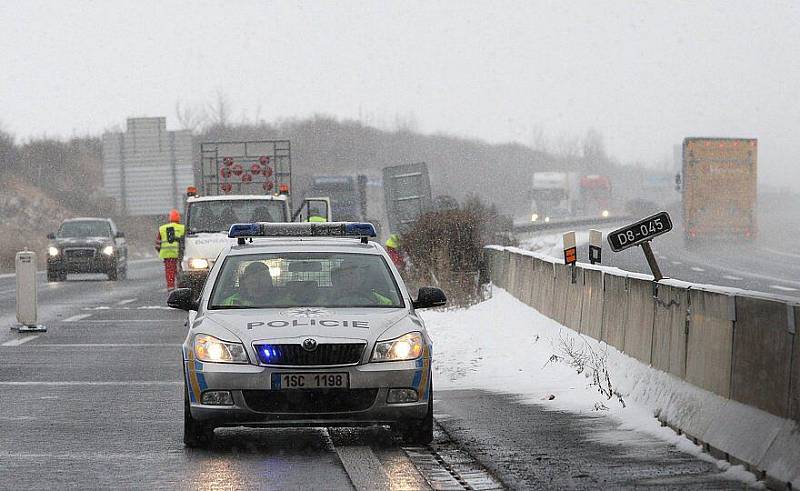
x,y
113,273
123,274
195,434
419,431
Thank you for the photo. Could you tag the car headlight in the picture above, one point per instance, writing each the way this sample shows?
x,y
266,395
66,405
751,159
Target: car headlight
x,y
546,219
108,250
210,349
198,263
534,217
605,213
52,251
406,347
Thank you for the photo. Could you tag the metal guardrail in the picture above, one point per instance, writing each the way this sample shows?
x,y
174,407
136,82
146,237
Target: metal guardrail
x,y
563,224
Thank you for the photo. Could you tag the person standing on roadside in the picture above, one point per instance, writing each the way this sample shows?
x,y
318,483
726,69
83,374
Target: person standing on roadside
x,y
169,244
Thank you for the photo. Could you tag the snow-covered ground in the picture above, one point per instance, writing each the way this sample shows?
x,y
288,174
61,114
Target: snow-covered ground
x,y
506,346
551,244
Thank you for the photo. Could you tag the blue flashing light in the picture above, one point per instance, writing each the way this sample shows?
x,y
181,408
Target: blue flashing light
x,y
244,230
359,230
268,353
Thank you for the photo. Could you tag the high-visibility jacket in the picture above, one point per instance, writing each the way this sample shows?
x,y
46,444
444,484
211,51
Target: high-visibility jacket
x,y
167,249
316,219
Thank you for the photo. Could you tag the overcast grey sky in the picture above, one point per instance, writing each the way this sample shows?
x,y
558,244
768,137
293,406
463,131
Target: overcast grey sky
x,y
644,74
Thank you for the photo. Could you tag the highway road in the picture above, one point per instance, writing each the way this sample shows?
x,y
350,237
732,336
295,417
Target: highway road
x,y
770,264
95,402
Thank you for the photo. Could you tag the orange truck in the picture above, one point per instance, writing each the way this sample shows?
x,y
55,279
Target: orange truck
x,y
719,189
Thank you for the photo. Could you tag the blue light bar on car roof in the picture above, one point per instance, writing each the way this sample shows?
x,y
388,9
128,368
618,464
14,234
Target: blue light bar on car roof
x,y
328,229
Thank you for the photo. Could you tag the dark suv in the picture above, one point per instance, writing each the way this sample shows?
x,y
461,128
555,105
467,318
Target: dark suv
x,y
87,245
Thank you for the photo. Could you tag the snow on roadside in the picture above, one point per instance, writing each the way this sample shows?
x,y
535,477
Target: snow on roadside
x,y
503,345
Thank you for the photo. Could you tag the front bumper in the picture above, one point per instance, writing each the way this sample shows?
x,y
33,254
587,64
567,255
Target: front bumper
x,y
251,384
100,263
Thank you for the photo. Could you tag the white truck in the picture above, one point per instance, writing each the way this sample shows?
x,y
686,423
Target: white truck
x,y
239,182
553,195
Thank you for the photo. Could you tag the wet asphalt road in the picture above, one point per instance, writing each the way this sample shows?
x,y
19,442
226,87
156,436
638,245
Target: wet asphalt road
x,y
96,402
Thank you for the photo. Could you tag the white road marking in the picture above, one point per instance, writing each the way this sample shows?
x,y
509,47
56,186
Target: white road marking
x,y
783,288
780,253
676,263
72,383
19,341
364,468
76,318
734,278
699,270
662,257
123,302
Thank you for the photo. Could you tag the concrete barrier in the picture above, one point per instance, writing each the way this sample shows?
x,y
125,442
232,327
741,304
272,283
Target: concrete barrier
x,y
794,384
782,461
615,310
562,281
543,290
527,279
592,305
710,341
669,330
574,301
530,266
638,332
762,354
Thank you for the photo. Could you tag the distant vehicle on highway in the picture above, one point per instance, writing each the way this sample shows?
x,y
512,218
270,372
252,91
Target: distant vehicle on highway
x,y
559,196
719,188
87,245
313,327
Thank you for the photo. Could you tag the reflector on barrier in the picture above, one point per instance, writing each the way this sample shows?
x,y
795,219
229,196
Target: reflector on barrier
x,y
25,268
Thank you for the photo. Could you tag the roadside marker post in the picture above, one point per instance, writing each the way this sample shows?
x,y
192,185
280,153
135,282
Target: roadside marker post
x,y
570,253
595,246
25,269
641,233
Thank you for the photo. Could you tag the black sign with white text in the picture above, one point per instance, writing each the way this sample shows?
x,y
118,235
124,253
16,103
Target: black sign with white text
x,y
641,231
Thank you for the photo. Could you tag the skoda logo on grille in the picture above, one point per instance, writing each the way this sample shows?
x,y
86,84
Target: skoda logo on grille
x,y
309,344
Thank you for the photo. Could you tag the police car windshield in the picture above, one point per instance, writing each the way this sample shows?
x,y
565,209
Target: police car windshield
x,y
305,280
85,228
218,216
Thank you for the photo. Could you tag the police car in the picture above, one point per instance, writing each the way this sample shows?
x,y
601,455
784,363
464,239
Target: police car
x,y
306,324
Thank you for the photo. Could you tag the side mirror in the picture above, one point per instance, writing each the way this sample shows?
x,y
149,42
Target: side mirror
x,y
51,236
119,235
183,299
429,297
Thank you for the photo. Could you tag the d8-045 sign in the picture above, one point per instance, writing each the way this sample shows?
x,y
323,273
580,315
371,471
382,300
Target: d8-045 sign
x,y
639,232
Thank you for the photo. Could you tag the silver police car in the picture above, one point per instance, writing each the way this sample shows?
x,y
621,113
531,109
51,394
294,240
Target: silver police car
x,y
306,325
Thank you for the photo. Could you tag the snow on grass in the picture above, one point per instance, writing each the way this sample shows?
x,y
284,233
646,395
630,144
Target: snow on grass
x,y
503,345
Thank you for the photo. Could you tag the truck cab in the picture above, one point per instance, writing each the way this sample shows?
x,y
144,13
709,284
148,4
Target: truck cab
x,y
208,219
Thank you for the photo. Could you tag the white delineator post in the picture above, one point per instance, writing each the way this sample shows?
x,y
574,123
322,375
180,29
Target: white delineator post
x,y
595,246
25,268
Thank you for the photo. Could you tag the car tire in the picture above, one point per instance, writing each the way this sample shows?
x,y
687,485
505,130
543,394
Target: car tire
x,y
195,434
113,273
123,273
419,431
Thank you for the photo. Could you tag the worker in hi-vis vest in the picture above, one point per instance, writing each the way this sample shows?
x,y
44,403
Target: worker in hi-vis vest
x,y
169,244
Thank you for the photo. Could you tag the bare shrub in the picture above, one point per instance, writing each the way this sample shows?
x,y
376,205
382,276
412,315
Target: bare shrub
x,y
579,355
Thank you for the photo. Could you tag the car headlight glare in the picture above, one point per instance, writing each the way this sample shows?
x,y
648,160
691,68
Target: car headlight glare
x,y
534,217
407,347
108,250
198,263
210,349
605,213
52,251
546,219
